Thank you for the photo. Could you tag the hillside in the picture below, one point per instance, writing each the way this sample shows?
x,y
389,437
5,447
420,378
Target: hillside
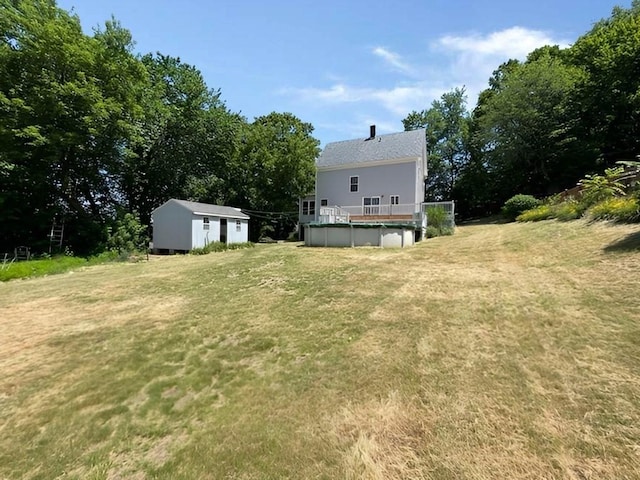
x,y
505,351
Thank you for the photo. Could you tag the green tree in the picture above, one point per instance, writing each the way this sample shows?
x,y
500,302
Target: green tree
x,y
447,130
610,94
128,235
275,168
66,107
528,128
184,139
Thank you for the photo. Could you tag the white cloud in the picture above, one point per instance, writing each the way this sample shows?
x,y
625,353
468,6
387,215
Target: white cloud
x,y
515,42
347,105
398,100
474,57
394,60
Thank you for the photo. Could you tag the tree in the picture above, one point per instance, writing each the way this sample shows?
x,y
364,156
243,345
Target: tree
x,y
610,93
66,106
447,131
529,129
186,135
276,167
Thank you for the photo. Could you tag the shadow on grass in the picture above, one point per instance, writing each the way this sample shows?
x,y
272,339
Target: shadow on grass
x,y
492,220
626,244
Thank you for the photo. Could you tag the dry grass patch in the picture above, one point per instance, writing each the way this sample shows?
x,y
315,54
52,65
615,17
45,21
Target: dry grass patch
x,y
505,351
381,439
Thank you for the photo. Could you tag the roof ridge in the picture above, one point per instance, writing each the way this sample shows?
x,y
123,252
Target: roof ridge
x,y
364,139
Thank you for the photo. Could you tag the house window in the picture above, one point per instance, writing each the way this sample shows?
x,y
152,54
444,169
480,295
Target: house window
x,y
324,202
371,205
395,199
205,223
238,226
309,207
353,183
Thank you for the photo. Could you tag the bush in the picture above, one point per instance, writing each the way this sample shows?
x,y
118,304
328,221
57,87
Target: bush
x,y
597,188
438,222
621,209
541,212
437,217
438,232
128,236
569,210
432,232
219,247
518,204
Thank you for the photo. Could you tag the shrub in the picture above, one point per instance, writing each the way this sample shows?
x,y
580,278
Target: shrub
x,y
569,210
596,188
437,217
518,204
438,222
621,209
438,232
432,232
128,236
219,247
541,212
105,257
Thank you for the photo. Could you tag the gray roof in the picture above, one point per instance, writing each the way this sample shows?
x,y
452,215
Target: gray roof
x,y
383,147
208,209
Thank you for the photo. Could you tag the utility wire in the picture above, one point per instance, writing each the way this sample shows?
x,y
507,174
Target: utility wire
x,y
269,213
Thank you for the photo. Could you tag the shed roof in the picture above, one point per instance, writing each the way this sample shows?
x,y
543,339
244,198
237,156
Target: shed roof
x,y
382,147
208,209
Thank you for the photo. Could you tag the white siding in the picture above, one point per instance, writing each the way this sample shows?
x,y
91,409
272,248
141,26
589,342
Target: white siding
x,y
172,227
203,237
178,227
200,236
233,236
380,180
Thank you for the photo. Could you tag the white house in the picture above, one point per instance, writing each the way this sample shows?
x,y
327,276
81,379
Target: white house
x,y
179,225
375,179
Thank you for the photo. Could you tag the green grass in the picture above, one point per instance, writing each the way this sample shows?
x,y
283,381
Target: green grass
x,y
504,351
37,268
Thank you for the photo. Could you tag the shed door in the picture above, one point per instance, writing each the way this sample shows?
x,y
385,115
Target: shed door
x,y
223,230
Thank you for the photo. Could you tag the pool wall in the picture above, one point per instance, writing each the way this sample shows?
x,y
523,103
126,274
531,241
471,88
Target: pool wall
x,y
359,235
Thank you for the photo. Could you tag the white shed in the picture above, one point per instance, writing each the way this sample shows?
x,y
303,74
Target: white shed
x,y
179,225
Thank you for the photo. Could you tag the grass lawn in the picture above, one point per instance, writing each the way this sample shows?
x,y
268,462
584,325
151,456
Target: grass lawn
x,y
38,268
505,351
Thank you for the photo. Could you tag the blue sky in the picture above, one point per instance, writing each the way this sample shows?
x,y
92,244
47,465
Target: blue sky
x,y
344,65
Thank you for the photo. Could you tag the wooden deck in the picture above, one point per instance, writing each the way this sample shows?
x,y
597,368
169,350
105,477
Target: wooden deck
x,y
380,218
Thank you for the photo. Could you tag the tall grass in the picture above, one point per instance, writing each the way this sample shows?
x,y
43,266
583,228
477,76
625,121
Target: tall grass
x,y
220,247
37,268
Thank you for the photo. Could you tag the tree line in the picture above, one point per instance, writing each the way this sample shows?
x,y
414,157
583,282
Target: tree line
x,y
542,123
90,131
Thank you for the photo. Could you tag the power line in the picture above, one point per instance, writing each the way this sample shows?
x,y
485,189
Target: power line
x,y
267,212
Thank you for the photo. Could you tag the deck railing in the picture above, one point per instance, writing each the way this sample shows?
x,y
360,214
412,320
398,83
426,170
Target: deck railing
x,y
383,210
333,214
362,213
